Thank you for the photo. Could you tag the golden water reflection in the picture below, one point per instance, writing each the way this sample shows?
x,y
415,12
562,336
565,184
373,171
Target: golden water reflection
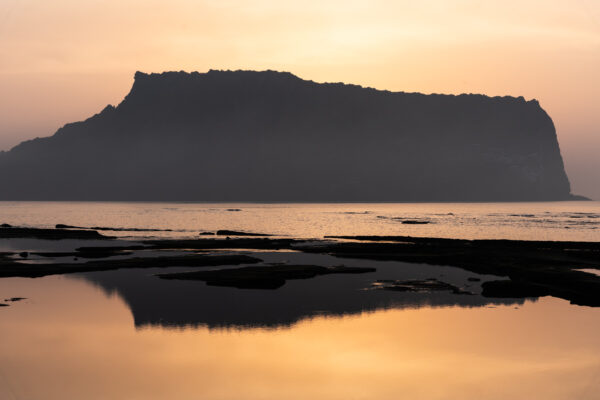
x,y
574,220
68,340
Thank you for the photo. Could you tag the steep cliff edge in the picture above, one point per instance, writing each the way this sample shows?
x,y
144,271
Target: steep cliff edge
x,y
271,136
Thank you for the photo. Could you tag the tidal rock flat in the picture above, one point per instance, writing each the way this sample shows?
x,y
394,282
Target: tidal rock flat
x,y
49,234
534,267
108,228
10,268
529,268
226,232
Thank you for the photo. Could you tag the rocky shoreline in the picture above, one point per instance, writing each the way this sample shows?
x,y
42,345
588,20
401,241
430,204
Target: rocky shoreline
x,y
525,268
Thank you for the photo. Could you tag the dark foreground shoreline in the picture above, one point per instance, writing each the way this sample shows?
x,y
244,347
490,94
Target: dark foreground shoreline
x,y
526,268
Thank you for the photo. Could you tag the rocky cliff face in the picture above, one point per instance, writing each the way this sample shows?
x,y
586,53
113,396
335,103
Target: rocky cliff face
x,y
271,136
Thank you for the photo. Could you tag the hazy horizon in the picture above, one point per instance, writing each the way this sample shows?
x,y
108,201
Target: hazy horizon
x,y
65,61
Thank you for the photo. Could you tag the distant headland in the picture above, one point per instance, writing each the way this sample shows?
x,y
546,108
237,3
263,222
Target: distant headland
x,y
271,136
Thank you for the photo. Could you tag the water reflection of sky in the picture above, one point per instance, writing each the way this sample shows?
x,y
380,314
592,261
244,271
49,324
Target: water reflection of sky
x,y
531,221
70,339
128,334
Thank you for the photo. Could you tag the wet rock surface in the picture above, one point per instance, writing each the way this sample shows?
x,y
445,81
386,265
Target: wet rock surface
x,y
426,285
231,243
49,234
226,232
107,228
8,269
533,267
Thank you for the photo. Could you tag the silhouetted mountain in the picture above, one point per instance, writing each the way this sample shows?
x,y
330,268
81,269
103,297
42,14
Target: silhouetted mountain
x,y
271,136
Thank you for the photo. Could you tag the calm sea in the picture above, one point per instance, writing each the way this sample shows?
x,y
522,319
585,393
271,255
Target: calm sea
x,y
530,221
127,334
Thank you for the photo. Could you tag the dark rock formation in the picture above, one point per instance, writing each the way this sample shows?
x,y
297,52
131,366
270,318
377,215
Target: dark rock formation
x,y
49,234
110,228
263,277
9,268
231,243
13,299
271,136
426,285
225,232
535,268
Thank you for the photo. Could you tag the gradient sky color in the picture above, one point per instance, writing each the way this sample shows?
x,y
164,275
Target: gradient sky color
x,y
64,60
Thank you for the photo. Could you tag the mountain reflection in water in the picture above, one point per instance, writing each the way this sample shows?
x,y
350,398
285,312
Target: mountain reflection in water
x,y
181,303
70,340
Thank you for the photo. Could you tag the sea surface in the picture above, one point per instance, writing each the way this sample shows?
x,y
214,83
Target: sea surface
x,y
572,221
126,334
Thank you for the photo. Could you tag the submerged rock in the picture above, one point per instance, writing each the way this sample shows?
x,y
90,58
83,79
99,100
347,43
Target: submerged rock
x,y
225,232
13,299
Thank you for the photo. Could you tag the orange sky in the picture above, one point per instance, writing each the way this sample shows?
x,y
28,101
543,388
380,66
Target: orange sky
x,y
64,60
